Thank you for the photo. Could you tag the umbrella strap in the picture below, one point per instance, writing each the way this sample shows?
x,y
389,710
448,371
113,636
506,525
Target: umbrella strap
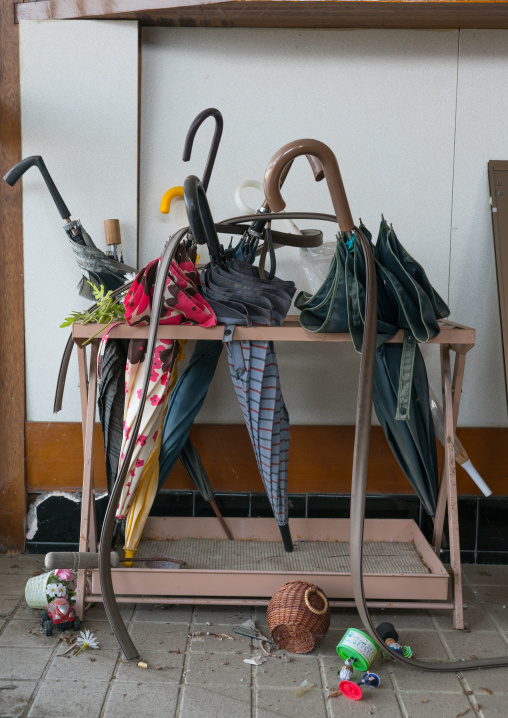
x,y
406,377
267,247
235,352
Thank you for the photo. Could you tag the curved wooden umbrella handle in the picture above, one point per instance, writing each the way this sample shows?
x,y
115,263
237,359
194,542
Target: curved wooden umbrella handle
x,y
331,172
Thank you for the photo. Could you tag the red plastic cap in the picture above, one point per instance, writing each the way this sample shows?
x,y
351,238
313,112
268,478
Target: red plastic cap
x,y
350,690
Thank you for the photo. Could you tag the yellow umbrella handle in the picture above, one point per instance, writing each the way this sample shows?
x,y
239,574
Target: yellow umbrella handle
x,y
168,197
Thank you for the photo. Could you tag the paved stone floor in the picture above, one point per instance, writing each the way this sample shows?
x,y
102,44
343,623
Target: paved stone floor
x,y
195,675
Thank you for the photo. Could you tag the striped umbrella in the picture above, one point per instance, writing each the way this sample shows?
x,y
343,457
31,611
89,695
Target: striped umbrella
x,y
255,374
240,296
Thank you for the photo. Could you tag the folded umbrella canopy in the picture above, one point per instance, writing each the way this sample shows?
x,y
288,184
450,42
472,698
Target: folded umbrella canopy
x,y
405,300
99,269
182,304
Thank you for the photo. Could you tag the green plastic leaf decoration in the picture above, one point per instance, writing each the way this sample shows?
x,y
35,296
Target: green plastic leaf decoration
x,y
109,309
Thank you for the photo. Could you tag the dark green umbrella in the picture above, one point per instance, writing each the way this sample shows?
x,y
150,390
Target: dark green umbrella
x,y
406,300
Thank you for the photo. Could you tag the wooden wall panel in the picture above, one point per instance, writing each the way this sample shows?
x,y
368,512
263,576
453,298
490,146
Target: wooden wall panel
x,y
12,343
320,459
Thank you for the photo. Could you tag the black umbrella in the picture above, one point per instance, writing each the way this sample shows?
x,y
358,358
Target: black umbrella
x,y
183,404
192,387
99,269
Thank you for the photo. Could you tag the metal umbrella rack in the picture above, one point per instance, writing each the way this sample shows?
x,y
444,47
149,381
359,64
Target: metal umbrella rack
x,y
400,568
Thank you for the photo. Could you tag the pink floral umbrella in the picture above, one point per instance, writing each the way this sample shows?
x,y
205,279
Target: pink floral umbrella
x,y
183,304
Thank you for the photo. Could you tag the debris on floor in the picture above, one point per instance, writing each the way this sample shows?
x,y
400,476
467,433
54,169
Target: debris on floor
x,y
303,688
255,660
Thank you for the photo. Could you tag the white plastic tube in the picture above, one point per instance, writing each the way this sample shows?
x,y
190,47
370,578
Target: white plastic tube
x,y
468,466
461,456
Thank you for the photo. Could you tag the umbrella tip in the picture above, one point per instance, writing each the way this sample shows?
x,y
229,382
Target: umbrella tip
x,y
382,217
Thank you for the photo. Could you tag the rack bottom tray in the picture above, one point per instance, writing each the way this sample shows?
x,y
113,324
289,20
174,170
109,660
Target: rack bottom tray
x,y
399,563
308,556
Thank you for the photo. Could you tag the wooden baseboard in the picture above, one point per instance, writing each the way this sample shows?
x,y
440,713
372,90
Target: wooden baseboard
x,y
320,459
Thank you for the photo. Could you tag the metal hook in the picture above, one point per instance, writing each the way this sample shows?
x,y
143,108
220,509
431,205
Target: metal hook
x,y
189,140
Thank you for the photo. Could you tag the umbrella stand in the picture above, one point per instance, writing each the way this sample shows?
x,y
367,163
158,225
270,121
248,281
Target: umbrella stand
x,y
224,588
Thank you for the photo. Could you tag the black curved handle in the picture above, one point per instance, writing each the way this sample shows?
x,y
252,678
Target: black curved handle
x,y
189,140
200,218
19,170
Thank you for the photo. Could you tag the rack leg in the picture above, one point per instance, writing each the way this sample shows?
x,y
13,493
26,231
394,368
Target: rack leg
x,y
451,478
87,532
458,375
83,387
83,384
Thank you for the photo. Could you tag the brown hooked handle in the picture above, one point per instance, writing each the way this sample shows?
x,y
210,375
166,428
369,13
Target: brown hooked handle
x,y
331,172
315,165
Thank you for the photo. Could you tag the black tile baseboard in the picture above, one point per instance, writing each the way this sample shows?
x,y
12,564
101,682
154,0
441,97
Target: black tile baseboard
x,y
483,521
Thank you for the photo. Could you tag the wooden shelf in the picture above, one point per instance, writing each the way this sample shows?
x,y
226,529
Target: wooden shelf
x,y
437,14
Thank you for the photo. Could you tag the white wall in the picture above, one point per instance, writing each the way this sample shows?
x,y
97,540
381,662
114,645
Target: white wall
x,y
385,101
79,99
482,135
413,117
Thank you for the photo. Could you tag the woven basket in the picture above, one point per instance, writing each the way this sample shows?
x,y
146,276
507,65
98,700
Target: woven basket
x,y
298,616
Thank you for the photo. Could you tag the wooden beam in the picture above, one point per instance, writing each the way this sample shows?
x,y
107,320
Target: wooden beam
x,y
320,459
437,14
12,328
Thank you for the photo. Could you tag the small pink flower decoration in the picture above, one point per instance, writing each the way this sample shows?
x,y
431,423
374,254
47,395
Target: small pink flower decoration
x,y
127,432
139,393
142,439
64,574
132,472
154,400
139,462
154,437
